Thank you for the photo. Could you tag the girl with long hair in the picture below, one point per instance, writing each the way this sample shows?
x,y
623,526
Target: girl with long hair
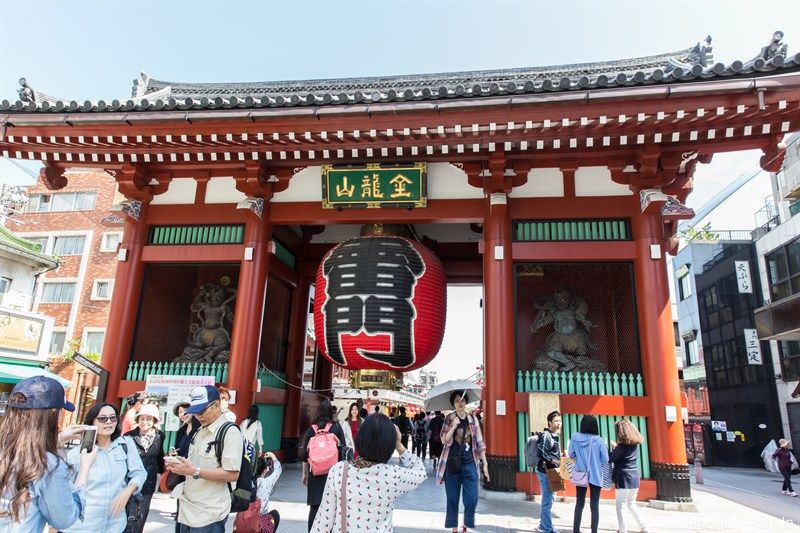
x,y
35,486
324,421
252,429
351,425
116,475
626,471
590,454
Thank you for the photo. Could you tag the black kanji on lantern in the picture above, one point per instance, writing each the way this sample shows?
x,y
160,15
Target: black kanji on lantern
x,y
369,283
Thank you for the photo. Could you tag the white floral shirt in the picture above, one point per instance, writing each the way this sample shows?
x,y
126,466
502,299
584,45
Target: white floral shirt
x,y
370,495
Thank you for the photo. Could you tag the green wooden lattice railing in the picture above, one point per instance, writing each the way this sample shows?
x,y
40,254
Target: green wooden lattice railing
x,y
271,417
271,378
572,230
139,370
284,255
600,383
571,423
201,234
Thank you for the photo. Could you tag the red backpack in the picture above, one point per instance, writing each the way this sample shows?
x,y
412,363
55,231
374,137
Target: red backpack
x,y
323,450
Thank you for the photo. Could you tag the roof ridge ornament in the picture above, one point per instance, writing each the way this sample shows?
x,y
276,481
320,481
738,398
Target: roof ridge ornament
x,y
26,93
775,48
701,55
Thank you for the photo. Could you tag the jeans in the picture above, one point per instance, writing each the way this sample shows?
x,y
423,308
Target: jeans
x,y
628,498
216,527
546,521
787,479
466,483
594,506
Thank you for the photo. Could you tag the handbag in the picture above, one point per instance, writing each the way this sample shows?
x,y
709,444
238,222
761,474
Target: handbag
x,y
133,509
554,480
249,520
607,482
343,497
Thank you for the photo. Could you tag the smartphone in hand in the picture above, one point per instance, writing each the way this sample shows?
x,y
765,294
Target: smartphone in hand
x,y
89,438
171,459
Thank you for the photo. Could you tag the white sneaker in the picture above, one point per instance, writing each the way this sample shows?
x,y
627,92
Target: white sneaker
x,y
785,492
793,494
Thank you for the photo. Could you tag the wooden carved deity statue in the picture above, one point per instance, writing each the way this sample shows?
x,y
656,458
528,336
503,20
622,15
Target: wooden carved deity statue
x,y
210,339
567,347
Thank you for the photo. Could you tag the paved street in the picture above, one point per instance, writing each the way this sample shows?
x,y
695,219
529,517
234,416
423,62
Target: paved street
x,y
724,504
755,488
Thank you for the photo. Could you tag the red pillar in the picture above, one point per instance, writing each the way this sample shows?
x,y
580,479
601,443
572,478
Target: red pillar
x,y
667,449
294,368
499,353
124,303
249,313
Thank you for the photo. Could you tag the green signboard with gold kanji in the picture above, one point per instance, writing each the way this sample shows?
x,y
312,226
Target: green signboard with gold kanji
x,y
374,185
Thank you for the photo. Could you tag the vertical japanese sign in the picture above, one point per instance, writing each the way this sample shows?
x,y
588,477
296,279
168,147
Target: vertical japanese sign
x,y
752,346
743,277
374,185
167,391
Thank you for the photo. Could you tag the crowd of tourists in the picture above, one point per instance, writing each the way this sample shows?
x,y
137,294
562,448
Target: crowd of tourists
x,y
217,467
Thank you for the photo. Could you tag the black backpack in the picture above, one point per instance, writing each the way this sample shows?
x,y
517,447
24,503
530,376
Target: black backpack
x,y
245,491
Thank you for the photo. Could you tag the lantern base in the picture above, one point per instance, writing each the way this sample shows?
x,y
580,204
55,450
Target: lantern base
x,y
376,379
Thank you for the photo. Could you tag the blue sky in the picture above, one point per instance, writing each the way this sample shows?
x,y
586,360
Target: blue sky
x,y
93,50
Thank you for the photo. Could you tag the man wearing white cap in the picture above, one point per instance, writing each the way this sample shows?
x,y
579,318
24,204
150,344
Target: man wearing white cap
x,y
205,501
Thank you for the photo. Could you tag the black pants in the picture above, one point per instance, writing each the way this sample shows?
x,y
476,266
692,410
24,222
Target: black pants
x,y
423,448
594,506
787,479
312,513
404,441
415,447
144,509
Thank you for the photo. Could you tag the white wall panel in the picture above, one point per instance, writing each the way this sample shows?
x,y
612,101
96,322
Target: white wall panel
x,y
180,191
596,181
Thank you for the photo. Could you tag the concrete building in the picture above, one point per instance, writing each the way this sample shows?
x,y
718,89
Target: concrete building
x,y
778,321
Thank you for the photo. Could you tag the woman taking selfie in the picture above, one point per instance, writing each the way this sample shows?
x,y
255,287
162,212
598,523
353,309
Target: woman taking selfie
x,y
458,468
149,441
115,476
35,486
372,486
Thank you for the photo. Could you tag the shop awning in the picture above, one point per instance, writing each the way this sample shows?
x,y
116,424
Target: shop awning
x,y
10,373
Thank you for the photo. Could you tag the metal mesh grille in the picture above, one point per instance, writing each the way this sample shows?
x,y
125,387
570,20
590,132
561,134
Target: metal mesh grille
x,y
608,292
162,328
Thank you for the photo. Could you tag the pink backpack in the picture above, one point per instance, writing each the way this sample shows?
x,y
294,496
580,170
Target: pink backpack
x,y
323,450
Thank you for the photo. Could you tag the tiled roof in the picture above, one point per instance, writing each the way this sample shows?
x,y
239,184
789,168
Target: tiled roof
x,y
25,247
691,64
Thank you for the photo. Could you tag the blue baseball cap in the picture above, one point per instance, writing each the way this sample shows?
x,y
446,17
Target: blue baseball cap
x,y
41,392
201,397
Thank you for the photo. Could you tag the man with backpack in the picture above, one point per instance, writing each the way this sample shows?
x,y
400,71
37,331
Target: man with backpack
x,y
404,425
216,455
543,451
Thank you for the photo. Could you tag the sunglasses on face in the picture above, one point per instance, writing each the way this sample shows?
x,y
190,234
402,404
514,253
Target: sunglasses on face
x,y
106,419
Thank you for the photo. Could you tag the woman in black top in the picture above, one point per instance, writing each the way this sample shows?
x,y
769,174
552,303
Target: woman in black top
x,y
149,442
316,483
626,471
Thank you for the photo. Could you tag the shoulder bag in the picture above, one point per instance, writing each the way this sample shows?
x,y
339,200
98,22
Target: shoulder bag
x,y
343,497
133,509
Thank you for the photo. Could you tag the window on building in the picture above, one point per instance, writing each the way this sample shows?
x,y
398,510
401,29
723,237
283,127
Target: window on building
x,y
60,202
692,356
69,245
57,292
94,342
685,286
783,271
789,354
101,289
110,242
57,342
5,284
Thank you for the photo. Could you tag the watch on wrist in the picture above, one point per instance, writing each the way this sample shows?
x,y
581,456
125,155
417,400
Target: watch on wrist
x,y
196,474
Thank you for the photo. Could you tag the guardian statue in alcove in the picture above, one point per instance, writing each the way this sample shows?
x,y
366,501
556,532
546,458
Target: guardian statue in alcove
x,y
212,318
568,346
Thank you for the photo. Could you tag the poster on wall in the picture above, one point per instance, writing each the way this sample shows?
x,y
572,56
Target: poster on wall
x,y
20,333
719,425
168,391
730,436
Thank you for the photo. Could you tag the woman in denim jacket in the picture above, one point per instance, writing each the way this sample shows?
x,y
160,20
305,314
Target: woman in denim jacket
x,y
35,489
117,474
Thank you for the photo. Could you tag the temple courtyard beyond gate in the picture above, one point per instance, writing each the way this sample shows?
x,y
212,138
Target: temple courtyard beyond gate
x,y
730,500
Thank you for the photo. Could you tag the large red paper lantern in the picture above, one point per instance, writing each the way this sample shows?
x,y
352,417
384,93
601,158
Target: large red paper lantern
x,y
380,303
